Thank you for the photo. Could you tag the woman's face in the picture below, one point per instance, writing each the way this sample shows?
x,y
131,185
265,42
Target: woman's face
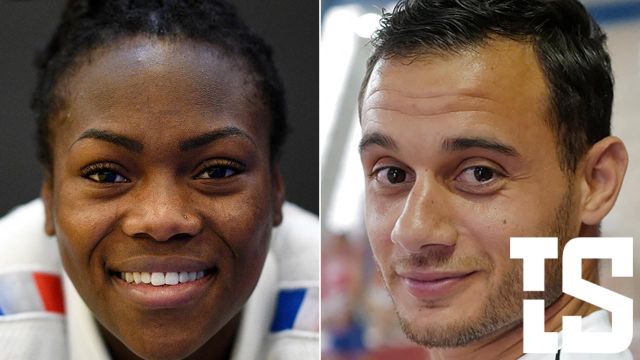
x,y
162,174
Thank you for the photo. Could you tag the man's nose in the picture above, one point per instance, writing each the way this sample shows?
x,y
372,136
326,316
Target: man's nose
x,y
161,211
425,218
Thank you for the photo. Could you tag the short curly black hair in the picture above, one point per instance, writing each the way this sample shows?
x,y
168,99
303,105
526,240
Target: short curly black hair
x,y
569,45
88,24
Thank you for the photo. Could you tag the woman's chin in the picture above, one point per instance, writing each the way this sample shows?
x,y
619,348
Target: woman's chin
x,y
159,349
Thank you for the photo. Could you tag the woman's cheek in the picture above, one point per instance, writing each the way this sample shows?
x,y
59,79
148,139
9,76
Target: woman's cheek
x,y
248,225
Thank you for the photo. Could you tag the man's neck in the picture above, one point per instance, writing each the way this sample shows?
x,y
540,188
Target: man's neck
x,y
507,344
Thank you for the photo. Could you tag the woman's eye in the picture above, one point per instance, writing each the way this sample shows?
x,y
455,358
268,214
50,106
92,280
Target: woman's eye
x,y
478,175
391,175
218,172
105,176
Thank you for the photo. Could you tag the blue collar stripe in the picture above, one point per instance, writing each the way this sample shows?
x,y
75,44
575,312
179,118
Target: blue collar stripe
x,y
287,308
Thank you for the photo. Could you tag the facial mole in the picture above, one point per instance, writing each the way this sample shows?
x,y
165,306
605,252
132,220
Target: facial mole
x,y
504,221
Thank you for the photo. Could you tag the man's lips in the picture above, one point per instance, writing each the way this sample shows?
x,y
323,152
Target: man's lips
x,y
432,284
428,276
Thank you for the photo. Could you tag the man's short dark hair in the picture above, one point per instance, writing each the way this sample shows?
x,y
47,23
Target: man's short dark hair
x,y
90,24
569,45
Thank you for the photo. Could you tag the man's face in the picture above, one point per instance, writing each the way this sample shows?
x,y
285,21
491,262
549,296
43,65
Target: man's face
x,y
458,157
162,175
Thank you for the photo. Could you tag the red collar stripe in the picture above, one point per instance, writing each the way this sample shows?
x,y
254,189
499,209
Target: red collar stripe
x,y
30,292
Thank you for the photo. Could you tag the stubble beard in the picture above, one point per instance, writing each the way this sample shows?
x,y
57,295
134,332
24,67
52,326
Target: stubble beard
x,y
502,310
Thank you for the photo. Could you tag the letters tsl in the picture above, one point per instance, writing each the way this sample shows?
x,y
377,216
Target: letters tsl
x,y
533,252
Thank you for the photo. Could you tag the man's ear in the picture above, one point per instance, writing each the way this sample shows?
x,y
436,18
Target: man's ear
x,y
278,193
45,193
604,167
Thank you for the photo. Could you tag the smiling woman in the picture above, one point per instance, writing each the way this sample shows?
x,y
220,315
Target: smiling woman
x,y
160,128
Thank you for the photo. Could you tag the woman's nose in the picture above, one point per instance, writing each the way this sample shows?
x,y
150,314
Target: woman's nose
x,y
161,212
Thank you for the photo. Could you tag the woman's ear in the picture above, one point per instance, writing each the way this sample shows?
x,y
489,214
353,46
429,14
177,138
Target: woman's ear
x,y
278,192
604,167
45,193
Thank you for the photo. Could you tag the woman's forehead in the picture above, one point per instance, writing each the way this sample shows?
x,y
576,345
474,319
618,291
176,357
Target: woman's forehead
x,y
161,65
142,82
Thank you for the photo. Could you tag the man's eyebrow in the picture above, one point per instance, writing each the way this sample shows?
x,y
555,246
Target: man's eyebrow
x,y
209,137
459,144
108,136
376,138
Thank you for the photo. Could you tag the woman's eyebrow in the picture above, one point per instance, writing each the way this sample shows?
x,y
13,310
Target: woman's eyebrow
x,y
184,145
117,139
209,137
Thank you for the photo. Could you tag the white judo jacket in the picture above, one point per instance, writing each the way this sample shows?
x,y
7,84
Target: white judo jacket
x,y
43,317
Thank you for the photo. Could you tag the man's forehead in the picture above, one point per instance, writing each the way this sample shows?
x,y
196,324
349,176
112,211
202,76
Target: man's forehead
x,y
501,74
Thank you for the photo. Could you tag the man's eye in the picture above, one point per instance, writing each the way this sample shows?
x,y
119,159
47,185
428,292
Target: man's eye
x,y
218,172
105,176
391,175
478,175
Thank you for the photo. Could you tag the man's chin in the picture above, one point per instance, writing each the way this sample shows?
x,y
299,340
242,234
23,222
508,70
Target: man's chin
x,y
451,330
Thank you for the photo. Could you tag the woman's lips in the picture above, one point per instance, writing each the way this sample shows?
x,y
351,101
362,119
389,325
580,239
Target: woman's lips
x,y
153,282
429,285
165,296
161,278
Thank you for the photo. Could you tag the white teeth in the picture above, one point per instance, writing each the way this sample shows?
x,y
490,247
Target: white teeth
x,y
159,278
145,277
171,278
184,277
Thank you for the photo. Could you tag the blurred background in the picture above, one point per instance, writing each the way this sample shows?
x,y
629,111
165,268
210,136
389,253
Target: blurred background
x,y
358,319
289,26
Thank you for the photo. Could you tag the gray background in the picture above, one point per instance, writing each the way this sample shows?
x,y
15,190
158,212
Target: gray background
x,y
289,26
